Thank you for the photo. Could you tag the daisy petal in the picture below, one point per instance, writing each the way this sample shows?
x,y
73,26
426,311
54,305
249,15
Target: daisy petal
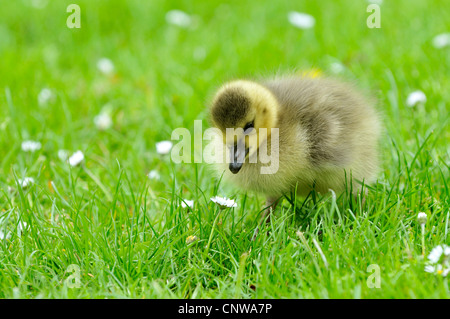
x,y
187,203
31,146
430,269
435,254
26,182
223,202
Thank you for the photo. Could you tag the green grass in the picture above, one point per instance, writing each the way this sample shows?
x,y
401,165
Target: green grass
x,y
127,233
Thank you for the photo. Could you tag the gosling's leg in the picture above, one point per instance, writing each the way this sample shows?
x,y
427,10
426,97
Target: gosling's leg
x,y
361,194
271,204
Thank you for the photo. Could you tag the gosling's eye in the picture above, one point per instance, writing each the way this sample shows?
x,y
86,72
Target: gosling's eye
x,y
248,127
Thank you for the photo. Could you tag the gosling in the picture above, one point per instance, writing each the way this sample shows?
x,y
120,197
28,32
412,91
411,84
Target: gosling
x,y
321,134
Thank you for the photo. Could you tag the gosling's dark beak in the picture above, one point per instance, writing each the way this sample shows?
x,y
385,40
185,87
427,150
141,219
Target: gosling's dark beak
x,y
237,154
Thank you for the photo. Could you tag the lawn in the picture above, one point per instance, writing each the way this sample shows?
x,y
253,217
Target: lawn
x,y
106,228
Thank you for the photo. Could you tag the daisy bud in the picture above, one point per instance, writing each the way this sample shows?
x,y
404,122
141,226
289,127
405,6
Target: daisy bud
x,y
422,218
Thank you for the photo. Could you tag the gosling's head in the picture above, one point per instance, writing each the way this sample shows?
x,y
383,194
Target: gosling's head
x,y
245,112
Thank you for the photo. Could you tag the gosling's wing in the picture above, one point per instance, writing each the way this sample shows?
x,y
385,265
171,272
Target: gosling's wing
x,y
329,112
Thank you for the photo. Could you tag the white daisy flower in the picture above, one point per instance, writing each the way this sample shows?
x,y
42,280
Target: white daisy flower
x,y
422,218
178,18
444,272
224,202
187,203
153,174
164,147
438,270
441,40
63,155
439,259
430,269
103,121
26,182
45,96
301,20
31,146
105,65
415,98
435,254
76,159
447,251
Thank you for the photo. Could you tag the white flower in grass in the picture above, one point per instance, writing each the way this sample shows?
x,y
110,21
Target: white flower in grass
x,y
422,218
31,146
439,260
76,159
103,121
187,203
164,147
438,270
178,18
301,20
105,65
224,202
45,96
153,174
26,182
63,155
436,253
415,98
441,40
430,269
